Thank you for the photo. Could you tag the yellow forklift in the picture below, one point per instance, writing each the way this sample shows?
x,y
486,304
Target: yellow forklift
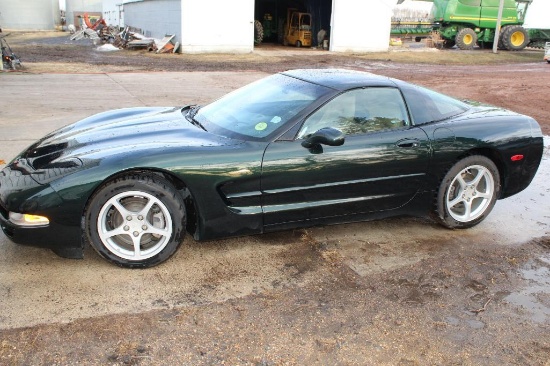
x,y
297,29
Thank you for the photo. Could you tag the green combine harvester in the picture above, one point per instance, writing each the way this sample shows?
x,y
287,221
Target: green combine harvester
x,y
465,23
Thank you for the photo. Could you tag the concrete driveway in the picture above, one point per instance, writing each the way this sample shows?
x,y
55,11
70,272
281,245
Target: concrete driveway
x,y
37,287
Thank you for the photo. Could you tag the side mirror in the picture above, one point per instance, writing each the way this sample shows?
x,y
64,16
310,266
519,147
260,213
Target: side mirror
x,y
325,136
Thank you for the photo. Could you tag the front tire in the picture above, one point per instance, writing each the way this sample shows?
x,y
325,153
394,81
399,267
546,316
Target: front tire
x,y
468,192
466,39
136,221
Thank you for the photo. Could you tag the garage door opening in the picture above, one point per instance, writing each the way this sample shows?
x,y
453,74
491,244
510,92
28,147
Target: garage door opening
x,y
297,23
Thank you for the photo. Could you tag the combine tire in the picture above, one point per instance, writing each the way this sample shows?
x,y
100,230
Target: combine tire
x,y
514,38
466,39
448,43
485,45
258,32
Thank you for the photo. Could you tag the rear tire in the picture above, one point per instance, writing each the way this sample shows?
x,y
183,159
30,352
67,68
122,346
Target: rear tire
x,y
468,192
514,38
258,32
136,221
466,39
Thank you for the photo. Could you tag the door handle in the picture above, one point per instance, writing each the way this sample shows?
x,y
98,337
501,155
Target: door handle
x,y
408,144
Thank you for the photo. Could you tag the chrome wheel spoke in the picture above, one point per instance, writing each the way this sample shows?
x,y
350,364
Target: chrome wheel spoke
x,y
456,201
145,210
106,234
120,208
478,177
137,246
461,182
467,211
158,231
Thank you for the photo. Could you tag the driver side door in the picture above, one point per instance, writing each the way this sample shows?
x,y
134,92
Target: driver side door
x,y
380,166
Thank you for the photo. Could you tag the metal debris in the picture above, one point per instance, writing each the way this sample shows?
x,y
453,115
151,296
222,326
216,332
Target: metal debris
x,y
129,37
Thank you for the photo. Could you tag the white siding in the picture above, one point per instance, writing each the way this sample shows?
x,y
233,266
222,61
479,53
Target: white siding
x,y
217,26
113,12
29,14
82,6
361,26
156,18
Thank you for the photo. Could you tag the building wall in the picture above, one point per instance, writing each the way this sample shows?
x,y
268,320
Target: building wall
x,y
216,26
29,14
79,7
113,12
156,18
361,26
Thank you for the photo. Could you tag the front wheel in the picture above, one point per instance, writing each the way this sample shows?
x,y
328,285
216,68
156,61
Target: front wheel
x,y
466,39
136,221
468,192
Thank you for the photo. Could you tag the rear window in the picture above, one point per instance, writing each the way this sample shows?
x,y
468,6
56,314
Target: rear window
x,y
429,106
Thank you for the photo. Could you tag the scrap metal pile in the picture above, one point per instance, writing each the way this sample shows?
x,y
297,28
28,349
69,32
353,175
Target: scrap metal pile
x,y
130,38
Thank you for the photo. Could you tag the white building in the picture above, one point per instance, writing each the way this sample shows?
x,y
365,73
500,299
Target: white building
x,y
29,14
113,12
219,26
77,8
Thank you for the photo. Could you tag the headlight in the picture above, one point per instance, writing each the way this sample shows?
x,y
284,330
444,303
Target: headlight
x,y
28,220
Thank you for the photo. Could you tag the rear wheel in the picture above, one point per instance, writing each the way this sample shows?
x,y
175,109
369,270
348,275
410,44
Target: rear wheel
x,y
136,221
485,45
258,32
514,38
468,192
466,39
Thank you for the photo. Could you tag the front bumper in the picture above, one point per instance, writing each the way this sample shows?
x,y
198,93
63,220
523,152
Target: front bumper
x,y
19,193
63,240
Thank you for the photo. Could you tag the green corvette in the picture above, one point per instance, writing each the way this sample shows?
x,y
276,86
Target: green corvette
x,y
296,149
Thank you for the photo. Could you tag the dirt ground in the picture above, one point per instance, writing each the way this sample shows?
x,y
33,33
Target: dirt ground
x,y
394,292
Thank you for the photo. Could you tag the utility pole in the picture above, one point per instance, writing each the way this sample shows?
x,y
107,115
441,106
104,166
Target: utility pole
x,y
497,30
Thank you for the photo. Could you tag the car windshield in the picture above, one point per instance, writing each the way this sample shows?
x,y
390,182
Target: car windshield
x,y
259,109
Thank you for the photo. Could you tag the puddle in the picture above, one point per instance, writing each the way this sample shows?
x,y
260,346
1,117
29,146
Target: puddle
x,y
535,298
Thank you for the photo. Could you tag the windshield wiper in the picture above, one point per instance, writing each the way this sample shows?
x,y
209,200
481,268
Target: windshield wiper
x,y
190,116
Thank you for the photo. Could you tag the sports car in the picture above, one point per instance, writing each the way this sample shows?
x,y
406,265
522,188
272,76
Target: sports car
x,y
295,149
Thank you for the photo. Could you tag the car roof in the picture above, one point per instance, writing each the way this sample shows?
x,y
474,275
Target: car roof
x,y
340,79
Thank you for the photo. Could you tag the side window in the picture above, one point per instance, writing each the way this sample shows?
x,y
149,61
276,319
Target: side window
x,y
360,111
429,106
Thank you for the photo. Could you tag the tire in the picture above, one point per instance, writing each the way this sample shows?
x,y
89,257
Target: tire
x,y
447,43
514,38
142,209
466,39
298,44
485,45
500,44
468,192
258,32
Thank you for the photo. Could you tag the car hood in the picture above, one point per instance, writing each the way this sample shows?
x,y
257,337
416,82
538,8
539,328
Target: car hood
x,y
122,130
